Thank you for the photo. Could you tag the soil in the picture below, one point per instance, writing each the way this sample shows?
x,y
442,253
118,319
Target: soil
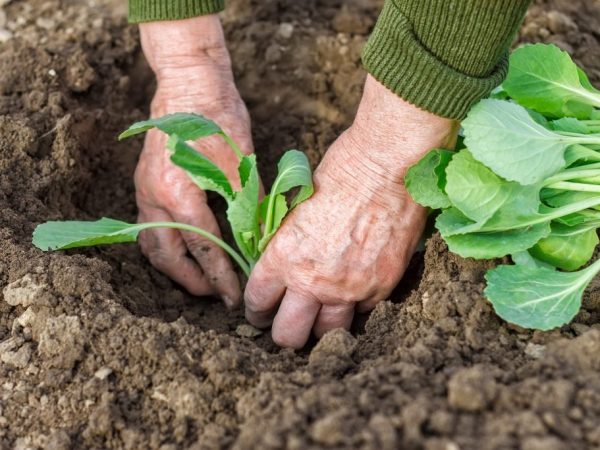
x,y
98,350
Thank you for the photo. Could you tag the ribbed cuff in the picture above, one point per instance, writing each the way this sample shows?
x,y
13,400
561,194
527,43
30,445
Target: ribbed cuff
x,y
154,10
443,55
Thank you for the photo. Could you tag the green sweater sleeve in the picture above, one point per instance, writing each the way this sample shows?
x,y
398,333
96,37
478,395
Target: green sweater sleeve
x,y
152,10
443,55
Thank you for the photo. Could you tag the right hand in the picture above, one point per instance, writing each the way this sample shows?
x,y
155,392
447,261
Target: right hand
x,y
193,72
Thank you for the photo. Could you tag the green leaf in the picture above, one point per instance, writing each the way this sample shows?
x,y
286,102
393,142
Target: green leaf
x,y
537,298
426,180
247,163
243,213
293,170
580,218
545,79
567,248
557,198
499,93
280,210
580,153
479,193
524,258
504,137
485,244
199,168
570,125
585,82
73,234
187,126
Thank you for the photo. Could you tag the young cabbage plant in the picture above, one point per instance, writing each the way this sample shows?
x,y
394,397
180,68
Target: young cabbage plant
x,y
253,222
525,184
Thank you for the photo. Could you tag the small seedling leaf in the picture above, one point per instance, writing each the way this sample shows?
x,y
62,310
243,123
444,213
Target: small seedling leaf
x,y
243,214
188,126
206,174
73,234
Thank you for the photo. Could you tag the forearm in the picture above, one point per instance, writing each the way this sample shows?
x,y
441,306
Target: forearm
x,y
443,55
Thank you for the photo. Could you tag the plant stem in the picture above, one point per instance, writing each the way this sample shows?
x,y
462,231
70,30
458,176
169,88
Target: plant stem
x,y
580,172
577,138
580,187
185,227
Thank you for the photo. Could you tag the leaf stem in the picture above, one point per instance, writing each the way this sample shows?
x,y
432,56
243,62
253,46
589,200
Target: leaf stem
x,y
579,187
580,172
233,145
578,138
185,227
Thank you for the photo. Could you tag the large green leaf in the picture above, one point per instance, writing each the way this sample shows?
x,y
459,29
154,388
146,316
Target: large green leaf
x,y
479,193
537,298
199,168
426,180
464,237
504,137
188,126
545,78
243,212
486,244
567,248
73,234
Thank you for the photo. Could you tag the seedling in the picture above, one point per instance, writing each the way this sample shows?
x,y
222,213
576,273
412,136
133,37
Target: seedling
x,y
526,184
253,222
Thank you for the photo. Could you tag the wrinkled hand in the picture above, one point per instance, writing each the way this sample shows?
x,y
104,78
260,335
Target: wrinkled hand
x,y
194,74
348,246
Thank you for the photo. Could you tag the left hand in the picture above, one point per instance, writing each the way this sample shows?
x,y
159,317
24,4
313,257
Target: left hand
x,y
348,246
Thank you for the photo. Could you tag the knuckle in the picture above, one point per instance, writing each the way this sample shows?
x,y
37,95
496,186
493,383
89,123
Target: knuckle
x,y
160,259
252,300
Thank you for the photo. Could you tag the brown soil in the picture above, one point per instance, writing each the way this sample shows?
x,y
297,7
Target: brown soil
x,y
99,350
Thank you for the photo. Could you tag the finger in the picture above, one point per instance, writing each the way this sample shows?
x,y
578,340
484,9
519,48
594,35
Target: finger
x,y
294,320
167,253
369,304
333,316
263,294
213,260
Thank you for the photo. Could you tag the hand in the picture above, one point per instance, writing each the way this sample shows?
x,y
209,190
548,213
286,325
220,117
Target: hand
x,y
194,74
348,246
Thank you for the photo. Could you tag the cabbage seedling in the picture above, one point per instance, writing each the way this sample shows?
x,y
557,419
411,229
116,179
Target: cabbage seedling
x,y
253,222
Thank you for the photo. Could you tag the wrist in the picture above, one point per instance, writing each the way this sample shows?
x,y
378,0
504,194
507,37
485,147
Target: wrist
x,y
392,134
177,46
